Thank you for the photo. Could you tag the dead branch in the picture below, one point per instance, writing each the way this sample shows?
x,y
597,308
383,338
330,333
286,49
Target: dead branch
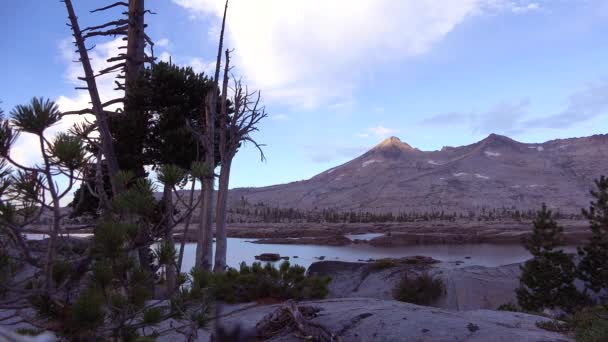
x,y
290,316
119,3
111,23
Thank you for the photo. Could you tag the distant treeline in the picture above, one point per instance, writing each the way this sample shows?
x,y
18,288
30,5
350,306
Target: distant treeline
x,y
260,212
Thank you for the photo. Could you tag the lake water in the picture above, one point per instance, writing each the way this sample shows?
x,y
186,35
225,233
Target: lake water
x,y
466,254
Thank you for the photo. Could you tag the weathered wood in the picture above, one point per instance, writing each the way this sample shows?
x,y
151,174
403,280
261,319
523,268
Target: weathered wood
x,y
100,114
292,316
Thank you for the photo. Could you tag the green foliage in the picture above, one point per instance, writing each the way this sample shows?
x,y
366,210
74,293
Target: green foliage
x,y
45,307
61,271
7,269
28,332
421,290
87,313
201,170
7,137
153,316
67,151
138,199
590,324
255,282
508,307
37,116
385,263
593,267
174,95
110,238
547,280
170,174
165,253
554,325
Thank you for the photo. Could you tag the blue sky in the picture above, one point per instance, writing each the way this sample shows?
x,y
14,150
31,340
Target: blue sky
x,y
337,77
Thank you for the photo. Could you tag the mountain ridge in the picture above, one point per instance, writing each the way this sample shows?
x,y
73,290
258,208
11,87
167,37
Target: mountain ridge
x,y
494,172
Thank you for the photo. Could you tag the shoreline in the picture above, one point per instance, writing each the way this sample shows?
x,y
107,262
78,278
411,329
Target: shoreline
x,y
393,234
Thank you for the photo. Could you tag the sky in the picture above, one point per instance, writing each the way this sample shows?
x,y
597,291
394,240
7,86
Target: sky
x,y
339,76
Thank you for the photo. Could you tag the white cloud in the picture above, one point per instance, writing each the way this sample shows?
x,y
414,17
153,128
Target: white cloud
x,y
198,65
26,150
162,42
309,52
280,117
526,8
165,56
382,132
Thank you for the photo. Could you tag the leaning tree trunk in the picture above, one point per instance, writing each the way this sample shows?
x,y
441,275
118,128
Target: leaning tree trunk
x,y
221,246
101,117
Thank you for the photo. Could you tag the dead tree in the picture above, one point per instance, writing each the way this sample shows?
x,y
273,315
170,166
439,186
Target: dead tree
x,y
101,116
204,246
236,130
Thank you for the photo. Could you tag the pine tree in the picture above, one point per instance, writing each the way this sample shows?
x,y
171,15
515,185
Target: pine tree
x,y
547,280
593,267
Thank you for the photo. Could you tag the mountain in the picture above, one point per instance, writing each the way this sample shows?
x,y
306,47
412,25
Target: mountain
x,y
495,172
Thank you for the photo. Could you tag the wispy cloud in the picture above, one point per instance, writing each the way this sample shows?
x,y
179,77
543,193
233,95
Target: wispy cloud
x,y
515,117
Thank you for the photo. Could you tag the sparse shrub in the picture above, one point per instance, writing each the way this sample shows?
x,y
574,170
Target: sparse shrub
x,y
590,324
382,264
554,325
421,290
255,282
61,271
87,313
508,307
28,332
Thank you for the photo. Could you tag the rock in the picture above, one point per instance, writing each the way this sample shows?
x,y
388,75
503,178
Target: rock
x,y
367,319
268,257
322,257
336,240
466,288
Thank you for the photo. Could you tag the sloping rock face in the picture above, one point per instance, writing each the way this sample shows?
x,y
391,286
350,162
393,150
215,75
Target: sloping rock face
x,y
466,288
367,319
478,287
496,172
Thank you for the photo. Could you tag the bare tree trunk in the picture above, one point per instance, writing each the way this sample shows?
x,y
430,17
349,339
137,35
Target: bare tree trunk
x,y
204,247
207,224
222,193
182,246
134,62
221,246
50,252
171,273
101,117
